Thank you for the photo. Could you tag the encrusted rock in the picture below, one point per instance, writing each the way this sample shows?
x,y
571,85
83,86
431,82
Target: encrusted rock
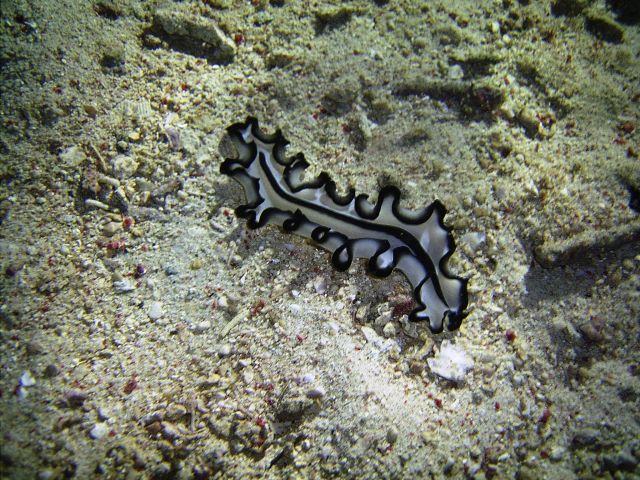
x,y
195,35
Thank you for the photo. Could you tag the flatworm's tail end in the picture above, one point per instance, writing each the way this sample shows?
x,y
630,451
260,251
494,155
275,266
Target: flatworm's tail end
x,y
449,314
452,319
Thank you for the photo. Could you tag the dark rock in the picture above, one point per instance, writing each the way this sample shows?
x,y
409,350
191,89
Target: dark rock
x,y
587,437
292,410
569,8
51,371
74,398
627,11
190,34
339,99
620,461
112,56
604,28
333,17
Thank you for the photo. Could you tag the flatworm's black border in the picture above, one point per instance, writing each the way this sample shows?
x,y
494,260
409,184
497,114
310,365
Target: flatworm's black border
x,y
367,211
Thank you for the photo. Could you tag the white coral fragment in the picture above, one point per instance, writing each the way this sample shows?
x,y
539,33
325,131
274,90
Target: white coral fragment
x,y
452,362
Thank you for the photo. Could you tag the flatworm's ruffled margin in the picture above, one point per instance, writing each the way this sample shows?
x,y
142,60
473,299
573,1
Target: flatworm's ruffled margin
x,y
349,226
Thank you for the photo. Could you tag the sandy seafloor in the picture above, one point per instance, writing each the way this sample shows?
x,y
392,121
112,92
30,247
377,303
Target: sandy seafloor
x,y
146,333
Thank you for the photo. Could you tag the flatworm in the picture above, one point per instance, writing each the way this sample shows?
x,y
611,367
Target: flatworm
x,y
391,237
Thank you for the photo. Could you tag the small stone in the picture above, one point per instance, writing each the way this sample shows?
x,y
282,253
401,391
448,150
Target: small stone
x,y
123,286
177,23
585,437
557,453
26,379
416,367
202,326
170,270
72,156
392,435
504,457
474,239
113,55
307,378
196,264
162,470
530,122
316,393
591,330
90,110
455,72
34,348
225,350
223,302
622,460
51,371
248,376
99,430
45,475
155,311
370,334
175,412
169,431
389,330
382,319
103,414
74,398
451,362
333,328
292,410
604,28
448,467
111,228
320,285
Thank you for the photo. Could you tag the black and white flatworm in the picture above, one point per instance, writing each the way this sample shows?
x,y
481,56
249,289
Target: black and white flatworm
x,y
391,237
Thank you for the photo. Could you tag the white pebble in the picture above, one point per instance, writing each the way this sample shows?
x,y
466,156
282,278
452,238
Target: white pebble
x,y
224,350
45,475
202,326
123,286
155,311
307,378
248,376
26,379
333,327
451,362
370,335
320,285
223,302
557,453
455,72
474,239
99,430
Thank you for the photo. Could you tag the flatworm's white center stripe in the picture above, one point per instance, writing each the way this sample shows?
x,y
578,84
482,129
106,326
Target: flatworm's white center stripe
x,y
416,243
